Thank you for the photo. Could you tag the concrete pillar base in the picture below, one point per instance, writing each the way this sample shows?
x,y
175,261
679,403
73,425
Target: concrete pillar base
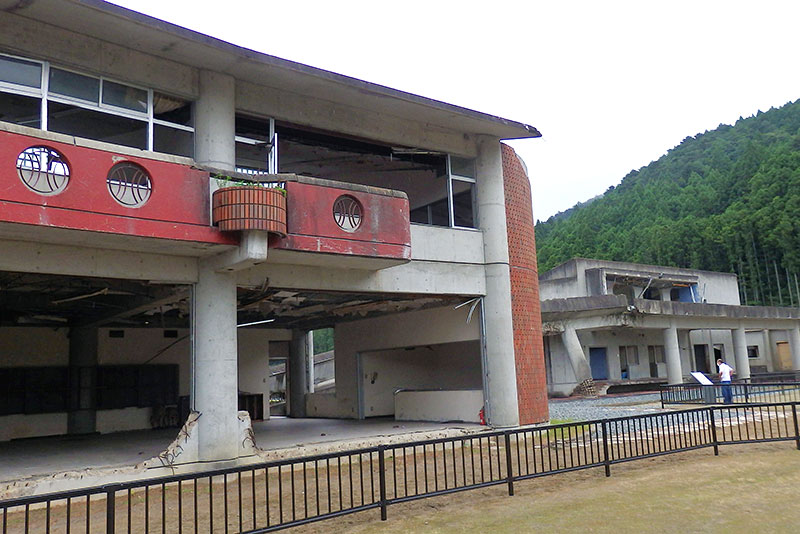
x,y
185,448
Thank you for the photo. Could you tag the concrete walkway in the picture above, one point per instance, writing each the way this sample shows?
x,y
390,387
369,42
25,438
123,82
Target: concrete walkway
x,y
32,458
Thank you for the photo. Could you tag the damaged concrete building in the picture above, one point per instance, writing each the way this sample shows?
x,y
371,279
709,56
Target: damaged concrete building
x,y
621,324
175,211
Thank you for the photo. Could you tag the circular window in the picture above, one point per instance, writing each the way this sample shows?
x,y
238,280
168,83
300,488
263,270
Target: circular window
x,y
43,170
129,184
347,213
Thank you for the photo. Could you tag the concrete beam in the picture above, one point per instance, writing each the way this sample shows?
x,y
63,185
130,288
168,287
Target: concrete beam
x,y
86,261
252,251
412,277
392,129
31,38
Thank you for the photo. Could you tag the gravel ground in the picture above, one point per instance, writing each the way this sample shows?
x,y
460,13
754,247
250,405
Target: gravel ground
x,y
582,409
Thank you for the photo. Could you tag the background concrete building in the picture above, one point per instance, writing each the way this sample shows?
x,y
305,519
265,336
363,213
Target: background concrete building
x,y
401,222
624,323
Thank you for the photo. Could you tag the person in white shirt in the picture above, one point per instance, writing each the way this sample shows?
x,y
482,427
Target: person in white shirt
x,y
725,372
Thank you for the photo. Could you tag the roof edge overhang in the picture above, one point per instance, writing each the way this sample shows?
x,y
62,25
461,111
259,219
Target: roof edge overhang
x,y
98,16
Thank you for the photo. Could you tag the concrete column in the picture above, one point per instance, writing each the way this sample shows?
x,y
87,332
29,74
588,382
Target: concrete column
x,y
686,349
742,366
672,354
577,358
769,354
794,345
500,374
298,373
310,364
665,293
215,358
214,115
83,367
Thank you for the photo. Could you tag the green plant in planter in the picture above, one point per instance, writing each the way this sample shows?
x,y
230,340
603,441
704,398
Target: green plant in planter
x,y
229,181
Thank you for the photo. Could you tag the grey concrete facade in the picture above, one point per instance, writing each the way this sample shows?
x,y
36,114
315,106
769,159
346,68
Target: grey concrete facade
x,y
223,84
662,323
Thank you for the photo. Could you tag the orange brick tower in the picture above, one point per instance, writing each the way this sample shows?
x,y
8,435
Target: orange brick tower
x,y
527,320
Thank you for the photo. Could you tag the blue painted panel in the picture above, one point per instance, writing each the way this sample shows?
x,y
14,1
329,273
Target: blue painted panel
x,y
598,363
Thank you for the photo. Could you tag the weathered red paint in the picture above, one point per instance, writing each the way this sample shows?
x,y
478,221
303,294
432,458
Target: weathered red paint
x,y
385,231
178,207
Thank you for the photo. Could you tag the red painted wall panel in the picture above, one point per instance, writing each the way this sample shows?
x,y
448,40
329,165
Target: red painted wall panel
x,y
178,207
385,230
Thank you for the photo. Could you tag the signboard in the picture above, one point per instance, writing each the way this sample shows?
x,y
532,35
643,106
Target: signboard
x,y
703,379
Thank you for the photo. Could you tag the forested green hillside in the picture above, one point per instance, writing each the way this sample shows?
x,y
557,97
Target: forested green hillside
x,y
725,200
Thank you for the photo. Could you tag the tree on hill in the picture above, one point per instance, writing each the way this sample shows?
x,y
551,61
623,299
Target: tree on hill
x,y
724,200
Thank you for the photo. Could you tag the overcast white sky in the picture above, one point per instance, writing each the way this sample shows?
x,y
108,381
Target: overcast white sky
x,y
611,85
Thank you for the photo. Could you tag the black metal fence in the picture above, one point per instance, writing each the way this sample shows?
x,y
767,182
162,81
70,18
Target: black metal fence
x,y
766,392
280,494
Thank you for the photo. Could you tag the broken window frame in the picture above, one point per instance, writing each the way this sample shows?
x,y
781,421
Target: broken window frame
x,y
45,95
453,177
272,143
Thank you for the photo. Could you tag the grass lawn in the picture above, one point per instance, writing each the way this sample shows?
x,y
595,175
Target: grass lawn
x,y
747,489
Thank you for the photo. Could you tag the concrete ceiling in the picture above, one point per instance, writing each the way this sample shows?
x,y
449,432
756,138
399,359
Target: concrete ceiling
x,y
28,299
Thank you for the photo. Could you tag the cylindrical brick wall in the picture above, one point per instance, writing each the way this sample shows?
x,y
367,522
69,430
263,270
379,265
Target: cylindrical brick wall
x,y
527,319
249,208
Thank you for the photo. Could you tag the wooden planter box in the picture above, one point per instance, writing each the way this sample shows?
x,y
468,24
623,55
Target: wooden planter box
x,y
249,208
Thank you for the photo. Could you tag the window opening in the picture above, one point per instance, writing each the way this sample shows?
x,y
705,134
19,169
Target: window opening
x,y
43,170
81,122
124,96
655,355
256,145
422,174
20,72
129,184
19,109
39,95
651,293
74,85
628,356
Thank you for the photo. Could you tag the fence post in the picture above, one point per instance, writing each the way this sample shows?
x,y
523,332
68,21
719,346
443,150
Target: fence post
x,y
747,393
111,501
714,432
382,479
606,459
508,463
662,392
796,429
